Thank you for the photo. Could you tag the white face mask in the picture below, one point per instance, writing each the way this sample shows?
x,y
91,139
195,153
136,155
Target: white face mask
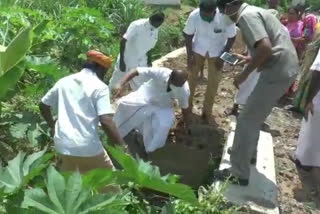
x,y
232,14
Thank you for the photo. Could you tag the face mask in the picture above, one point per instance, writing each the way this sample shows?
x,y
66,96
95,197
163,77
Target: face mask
x,y
207,18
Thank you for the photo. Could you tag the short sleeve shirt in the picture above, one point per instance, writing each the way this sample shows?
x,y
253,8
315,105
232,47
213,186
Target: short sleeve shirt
x,y
209,38
141,37
155,91
256,24
80,99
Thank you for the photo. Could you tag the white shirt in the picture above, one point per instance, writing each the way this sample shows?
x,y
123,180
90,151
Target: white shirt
x,y
141,37
210,37
155,92
80,99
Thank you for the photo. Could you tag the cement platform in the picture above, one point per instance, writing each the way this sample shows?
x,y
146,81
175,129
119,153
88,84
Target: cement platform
x,y
261,193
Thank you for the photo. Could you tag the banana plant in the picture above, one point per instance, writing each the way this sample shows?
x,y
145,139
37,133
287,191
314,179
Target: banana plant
x,y
10,57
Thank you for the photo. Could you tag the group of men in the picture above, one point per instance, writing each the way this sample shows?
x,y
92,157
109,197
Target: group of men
x,y
83,99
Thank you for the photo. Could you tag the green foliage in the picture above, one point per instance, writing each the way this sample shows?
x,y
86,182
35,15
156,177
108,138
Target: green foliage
x,y
67,196
142,174
21,170
314,4
192,3
9,57
126,11
79,30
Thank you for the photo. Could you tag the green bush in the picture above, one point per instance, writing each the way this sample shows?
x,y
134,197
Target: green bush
x,y
314,4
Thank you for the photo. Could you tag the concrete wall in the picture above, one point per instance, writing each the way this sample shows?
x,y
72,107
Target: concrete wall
x,y
163,2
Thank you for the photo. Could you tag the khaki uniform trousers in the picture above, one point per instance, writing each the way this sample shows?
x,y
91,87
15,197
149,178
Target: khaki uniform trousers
x,y
85,164
214,77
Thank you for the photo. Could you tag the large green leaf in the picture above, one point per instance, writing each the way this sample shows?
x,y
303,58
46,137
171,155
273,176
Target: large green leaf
x,y
9,80
148,176
21,169
16,50
68,196
19,130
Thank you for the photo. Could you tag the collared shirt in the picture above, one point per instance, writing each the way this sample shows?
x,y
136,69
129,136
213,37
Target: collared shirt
x,y
80,99
209,38
141,37
155,91
256,24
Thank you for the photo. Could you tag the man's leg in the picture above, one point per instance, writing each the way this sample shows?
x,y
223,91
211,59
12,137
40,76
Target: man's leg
x,y
214,77
193,76
258,107
157,127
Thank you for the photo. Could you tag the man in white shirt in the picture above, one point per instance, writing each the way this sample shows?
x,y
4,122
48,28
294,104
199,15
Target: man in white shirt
x,y
150,108
140,38
208,34
82,101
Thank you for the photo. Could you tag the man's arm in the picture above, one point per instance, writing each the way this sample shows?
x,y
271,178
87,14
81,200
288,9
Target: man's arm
x,y
122,48
264,51
111,130
188,40
46,113
129,76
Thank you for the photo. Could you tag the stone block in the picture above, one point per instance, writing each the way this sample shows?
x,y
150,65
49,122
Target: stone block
x,y
261,193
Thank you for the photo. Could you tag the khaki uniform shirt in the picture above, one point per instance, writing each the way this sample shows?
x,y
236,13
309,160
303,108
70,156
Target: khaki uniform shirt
x,y
256,24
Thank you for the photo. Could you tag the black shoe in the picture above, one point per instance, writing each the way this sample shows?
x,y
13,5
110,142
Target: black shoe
x,y
226,176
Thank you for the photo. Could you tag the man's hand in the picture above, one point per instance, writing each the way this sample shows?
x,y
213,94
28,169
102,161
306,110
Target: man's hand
x,y
122,65
242,58
117,91
308,108
240,78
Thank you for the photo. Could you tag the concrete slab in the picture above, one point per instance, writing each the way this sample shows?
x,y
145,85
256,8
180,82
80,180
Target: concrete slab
x,y
261,193
174,54
163,2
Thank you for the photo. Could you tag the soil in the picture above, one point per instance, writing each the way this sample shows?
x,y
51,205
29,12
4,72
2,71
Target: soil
x,y
188,152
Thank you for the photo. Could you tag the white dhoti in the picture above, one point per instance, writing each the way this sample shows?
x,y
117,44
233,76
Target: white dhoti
x,y
308,150
153,122
246,88
118,75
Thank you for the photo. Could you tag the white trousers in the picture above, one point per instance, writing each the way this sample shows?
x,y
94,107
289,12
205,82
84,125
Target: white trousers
x,y
246,88
153,122
308,150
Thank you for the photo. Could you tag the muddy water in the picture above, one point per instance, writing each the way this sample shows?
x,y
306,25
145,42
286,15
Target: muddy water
x,y
191,155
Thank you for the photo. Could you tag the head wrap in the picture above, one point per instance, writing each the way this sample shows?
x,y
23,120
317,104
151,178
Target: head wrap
x,y
99,58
